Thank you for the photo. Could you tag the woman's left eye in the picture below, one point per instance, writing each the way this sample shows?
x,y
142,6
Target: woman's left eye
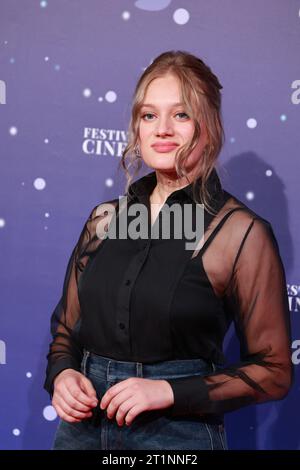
x,y
182,113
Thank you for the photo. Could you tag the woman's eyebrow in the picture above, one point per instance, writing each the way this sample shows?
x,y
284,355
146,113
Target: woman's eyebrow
x,y
149,105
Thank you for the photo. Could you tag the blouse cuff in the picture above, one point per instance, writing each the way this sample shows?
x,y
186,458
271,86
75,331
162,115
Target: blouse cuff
x,y
190,396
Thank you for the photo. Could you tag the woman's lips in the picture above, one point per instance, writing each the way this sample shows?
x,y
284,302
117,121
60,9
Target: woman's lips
x,y
164,148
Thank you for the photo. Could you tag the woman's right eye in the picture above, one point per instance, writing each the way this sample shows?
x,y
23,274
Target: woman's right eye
x,y
147,114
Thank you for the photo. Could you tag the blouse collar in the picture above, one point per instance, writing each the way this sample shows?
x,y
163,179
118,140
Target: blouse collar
x,y
143,187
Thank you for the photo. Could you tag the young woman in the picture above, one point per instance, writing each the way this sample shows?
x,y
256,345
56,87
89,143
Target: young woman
x,y
136,360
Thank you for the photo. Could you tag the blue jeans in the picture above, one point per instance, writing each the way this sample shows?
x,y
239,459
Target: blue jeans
x,y
151,429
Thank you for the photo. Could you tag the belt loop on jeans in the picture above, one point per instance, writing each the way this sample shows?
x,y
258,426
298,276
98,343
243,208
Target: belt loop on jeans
x,y
139,369
108,371
86,355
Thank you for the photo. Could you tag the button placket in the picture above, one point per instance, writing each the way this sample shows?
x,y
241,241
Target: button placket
x,y
124,295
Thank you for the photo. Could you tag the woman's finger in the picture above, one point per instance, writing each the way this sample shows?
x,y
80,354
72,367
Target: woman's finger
x,y
64,416
75,394
87,387
118,401
69,395
71,412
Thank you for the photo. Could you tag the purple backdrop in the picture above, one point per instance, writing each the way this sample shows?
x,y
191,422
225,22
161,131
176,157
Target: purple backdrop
x,y
67,74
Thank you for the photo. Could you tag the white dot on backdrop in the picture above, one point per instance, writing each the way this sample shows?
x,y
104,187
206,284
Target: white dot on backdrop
x,y
2,223
100,98
46,59
43,3
13,130
39,183
5,42
57,67
46,141
251,123
250,195
110,96
47,214
22,183
181,16
46,228
232,139
12,60
16,432
109,182
28,375
283,117
49,413
87,92
269,172
125,15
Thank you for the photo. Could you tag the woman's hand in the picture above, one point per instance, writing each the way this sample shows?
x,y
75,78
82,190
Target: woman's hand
x,y
132,396
74,396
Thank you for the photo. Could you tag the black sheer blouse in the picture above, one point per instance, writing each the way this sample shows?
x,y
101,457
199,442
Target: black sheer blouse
x,y
150,299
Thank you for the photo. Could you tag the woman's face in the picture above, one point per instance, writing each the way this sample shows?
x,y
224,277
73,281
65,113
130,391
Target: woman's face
x,y
165,121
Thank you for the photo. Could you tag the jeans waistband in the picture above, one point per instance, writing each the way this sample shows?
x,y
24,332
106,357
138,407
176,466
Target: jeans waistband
x,y
114,369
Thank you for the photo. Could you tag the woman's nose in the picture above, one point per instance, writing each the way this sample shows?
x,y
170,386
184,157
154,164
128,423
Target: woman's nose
x,y
164,126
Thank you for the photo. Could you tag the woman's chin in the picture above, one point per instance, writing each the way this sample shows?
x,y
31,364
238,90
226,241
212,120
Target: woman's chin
x,y
161,163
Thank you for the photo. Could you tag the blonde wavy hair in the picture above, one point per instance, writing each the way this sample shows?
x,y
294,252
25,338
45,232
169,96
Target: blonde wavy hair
x,y
200,90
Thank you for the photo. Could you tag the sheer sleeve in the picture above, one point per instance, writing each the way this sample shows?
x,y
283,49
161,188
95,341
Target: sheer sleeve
x,y
65,350
256,298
